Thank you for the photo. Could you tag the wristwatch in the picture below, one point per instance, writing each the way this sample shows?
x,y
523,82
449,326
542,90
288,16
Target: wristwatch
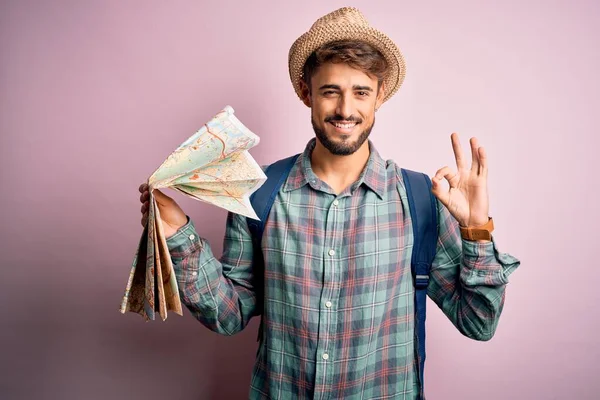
x,y
482,232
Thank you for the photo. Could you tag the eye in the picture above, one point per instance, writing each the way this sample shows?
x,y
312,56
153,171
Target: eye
x,y
362,93
328,93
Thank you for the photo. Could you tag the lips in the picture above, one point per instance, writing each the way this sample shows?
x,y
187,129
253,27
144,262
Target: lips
x,y
343,127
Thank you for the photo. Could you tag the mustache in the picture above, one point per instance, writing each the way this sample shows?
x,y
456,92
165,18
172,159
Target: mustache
x,y
339,118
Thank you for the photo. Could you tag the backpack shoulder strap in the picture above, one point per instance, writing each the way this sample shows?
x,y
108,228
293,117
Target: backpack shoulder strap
x,y
262,200
423,211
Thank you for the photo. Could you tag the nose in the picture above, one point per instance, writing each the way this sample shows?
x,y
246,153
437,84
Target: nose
x,y
345,106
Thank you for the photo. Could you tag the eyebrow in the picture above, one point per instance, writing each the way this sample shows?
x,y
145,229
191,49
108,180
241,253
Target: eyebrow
x,y
355,87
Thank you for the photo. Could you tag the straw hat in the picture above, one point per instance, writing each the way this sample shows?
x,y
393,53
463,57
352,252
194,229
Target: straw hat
x,y
347,23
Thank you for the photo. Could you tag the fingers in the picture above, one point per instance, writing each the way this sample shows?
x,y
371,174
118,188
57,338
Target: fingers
x,y
474,155
445,172
483,162
458,153
478,156
160,198
144,209
144,199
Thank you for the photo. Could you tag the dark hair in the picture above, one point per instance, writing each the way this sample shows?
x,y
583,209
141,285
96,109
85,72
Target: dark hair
x,y
356,54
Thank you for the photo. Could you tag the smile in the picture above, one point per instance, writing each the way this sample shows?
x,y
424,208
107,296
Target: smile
x,y
343,127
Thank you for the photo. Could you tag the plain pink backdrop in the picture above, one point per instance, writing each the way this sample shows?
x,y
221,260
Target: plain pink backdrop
x,y
95,94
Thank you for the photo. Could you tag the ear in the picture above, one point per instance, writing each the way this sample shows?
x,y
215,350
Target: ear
x,y
305,93
380,96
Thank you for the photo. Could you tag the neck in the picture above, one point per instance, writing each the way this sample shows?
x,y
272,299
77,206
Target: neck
x,y
339,172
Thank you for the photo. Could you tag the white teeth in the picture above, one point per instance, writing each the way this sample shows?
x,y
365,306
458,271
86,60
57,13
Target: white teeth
x,y
344,126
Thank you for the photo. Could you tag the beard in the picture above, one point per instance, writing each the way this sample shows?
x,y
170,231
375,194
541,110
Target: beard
x,y
344,147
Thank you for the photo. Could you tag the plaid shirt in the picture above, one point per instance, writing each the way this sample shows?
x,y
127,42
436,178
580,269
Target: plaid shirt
x,y
338,291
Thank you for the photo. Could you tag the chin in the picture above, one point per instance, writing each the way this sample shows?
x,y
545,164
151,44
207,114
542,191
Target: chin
x,y
339,142
340,145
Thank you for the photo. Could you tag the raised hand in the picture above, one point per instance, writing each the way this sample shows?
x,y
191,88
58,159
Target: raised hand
x,y
467,198
171,215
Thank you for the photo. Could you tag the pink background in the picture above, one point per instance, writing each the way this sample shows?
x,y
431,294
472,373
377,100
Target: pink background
x,y
94,95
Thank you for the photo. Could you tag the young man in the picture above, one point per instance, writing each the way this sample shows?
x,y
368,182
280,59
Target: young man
x,y
338,294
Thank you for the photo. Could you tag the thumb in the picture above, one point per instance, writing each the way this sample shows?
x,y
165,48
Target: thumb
x,y
161,198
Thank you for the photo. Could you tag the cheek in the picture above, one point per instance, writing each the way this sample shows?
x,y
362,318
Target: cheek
x,y
368,112
321,111
316,115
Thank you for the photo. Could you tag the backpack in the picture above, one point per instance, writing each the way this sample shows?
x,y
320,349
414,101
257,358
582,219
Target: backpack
x,y
423,211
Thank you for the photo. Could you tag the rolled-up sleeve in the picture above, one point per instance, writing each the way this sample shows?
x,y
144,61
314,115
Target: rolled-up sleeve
x,y
218,292
468,279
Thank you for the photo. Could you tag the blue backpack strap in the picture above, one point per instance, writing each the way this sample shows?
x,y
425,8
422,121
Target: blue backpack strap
x,y
262,200
423,211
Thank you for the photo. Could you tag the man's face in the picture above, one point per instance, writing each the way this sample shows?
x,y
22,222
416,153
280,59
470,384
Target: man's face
x,y
343,102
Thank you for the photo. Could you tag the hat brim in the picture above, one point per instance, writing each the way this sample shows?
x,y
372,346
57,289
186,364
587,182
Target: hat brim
x,y
310,41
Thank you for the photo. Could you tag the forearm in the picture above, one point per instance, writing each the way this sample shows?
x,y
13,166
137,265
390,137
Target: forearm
x,y
222,303
471,292
468,279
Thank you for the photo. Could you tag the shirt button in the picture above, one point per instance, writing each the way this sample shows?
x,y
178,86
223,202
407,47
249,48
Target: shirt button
x,y
335,203
325,356
194,273
332,252
328,304
192,237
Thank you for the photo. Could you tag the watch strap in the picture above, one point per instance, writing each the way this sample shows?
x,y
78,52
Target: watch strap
x,y
482,232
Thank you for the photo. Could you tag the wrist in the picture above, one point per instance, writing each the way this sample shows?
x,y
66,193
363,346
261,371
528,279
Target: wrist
x,y
475,223
482,232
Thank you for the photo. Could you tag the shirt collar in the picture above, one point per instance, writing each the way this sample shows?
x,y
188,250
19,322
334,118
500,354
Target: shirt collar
x,y
373,175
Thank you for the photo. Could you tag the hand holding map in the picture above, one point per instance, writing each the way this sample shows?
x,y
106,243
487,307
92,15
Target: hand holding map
x,y
213,166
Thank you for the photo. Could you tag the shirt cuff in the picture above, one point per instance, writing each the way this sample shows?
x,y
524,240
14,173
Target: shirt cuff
x,y
473,248
184,242
485,257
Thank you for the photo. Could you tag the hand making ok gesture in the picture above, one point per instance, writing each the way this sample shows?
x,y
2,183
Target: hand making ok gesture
x,y
467,199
